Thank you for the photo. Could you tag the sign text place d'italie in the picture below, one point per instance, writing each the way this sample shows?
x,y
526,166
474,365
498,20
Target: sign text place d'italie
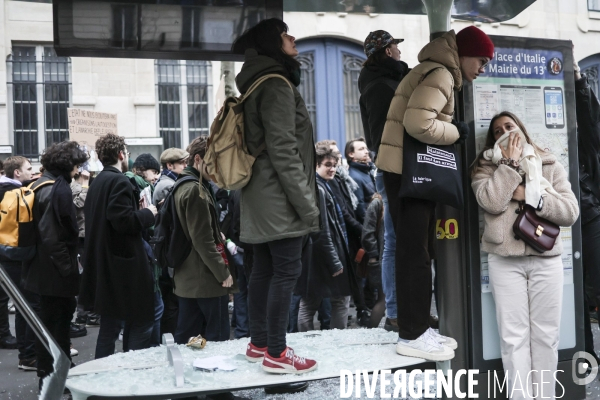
x,y
87,126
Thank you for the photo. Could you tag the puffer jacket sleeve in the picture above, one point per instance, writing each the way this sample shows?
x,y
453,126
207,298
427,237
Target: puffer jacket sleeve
x,y
322,242
560,207
426,102
494,188
277,108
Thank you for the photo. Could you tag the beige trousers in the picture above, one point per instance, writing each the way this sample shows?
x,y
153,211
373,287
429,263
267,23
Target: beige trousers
x,y
528,294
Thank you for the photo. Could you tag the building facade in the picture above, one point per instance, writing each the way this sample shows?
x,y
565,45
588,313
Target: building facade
x,y
166,103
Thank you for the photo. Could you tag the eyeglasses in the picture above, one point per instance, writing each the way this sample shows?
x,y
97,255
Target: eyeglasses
x,y
330,165
484,63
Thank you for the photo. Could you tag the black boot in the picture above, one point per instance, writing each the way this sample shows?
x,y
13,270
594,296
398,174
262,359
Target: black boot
x,y
295,387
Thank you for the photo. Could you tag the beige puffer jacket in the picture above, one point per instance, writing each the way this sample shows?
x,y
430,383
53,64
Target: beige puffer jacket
x,y
494,186
423,103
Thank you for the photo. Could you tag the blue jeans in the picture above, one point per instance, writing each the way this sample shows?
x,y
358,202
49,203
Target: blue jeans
x,y
294,309
325,314
388,260
240,300
136,335
159,308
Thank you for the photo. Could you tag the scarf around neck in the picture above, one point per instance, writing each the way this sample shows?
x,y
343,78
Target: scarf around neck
x,y
351,186
536,185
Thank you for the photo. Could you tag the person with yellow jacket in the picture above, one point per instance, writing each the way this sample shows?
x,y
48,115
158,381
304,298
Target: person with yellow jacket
x,y
423,106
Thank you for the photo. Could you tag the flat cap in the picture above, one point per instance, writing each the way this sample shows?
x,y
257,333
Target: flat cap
x,y
172,155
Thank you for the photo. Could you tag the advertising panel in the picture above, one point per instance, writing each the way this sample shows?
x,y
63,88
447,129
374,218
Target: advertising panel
x,y
532,78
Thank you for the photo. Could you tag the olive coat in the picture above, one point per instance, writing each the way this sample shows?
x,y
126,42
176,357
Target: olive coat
x,y
279,202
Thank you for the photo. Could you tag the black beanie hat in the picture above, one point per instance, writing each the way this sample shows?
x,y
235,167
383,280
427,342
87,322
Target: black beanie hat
x,y
146,161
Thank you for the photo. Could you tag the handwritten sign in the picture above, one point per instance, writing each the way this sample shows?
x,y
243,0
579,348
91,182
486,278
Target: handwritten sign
x,y
85,126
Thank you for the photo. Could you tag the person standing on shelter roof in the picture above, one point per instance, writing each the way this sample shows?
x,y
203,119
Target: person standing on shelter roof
x,y
423,107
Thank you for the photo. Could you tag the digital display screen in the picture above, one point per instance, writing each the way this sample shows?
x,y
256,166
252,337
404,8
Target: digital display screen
x,y
554,107
160,29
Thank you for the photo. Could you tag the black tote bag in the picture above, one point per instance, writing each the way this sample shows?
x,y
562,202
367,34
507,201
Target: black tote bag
x,y
431,172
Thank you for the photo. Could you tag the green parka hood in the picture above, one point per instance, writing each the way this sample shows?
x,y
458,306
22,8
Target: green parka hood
x,y
256,66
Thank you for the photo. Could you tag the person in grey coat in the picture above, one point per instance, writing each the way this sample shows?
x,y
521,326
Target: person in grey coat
x,y
173,162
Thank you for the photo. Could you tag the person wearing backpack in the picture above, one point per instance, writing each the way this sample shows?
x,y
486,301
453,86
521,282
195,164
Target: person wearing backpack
x,y
53,273
203,281
381,73
18,170
117,280
278,205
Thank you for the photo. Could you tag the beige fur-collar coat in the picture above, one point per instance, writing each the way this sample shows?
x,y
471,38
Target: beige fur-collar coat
x,y
494,186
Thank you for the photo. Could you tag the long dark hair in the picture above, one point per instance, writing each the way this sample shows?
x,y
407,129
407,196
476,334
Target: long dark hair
x,y
490,141
265,38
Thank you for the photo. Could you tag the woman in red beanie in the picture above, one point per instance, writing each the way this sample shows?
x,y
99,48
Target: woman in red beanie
x,y
423,106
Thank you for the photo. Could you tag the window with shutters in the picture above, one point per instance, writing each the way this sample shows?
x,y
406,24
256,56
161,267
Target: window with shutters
x,y
39,94
183,92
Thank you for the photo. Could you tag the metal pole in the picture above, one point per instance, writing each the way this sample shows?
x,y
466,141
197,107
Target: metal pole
x,y
438,14
451,269
53,384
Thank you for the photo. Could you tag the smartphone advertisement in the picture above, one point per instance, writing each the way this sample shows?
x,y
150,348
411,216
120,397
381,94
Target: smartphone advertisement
x,y
554,107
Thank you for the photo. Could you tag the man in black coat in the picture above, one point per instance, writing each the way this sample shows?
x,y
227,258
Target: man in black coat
x,y
117,275
342,187
53,272
328,275
381,74
588,129
361,171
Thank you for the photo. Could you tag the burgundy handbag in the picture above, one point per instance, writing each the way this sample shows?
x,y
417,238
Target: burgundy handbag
x,y
537,232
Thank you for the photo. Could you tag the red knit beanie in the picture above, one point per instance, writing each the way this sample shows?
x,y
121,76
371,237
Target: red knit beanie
x,y
473,42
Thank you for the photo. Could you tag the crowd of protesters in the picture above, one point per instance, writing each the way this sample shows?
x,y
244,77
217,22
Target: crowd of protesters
x,y
313,232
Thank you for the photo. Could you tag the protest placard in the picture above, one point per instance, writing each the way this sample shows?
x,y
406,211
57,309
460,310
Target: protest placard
x,y
86,126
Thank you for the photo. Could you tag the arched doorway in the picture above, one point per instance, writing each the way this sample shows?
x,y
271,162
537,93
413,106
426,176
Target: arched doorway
x,y
329,86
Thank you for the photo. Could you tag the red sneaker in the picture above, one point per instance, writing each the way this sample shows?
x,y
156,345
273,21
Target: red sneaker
x,y
255,354
288,363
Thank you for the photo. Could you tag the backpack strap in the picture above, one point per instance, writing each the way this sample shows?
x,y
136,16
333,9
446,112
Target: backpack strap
x,y
261,80
49,182
183,180
256,84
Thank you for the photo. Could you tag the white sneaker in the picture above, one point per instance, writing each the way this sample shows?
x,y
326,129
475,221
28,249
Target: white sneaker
x,y
74,352
425,346
445,340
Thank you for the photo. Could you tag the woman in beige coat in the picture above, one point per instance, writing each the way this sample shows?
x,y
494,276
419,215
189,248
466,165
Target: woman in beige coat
x,y
527,285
